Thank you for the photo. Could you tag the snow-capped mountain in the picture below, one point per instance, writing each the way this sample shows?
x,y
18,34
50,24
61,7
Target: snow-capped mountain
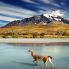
x,y
40,19
54,15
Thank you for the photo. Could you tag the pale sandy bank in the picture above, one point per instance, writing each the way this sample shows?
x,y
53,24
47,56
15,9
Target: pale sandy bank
x,y
32,40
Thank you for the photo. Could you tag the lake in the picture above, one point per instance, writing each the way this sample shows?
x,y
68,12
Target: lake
x,y
16,56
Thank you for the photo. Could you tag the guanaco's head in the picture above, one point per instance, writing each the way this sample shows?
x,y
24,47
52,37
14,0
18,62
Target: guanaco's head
x,y
30,50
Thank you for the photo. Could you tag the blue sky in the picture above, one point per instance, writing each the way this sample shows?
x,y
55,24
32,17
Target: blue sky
x,y
18,9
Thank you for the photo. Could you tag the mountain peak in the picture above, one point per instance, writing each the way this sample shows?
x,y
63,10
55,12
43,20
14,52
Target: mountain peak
x,y
41,19
55,13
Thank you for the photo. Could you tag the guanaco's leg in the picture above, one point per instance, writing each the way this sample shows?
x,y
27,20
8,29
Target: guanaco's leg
x,y
51,62
46,62
35,61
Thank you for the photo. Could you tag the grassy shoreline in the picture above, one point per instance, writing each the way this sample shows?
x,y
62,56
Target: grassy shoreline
x,y
57,30
30,36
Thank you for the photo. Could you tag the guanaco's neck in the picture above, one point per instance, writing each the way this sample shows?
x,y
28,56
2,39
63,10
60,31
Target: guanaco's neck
x,y
32,53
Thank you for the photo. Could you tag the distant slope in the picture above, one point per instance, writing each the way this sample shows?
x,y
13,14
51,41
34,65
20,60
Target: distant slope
x,y
39,19
32,20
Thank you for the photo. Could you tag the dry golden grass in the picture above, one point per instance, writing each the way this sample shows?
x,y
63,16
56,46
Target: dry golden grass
x,y
49,30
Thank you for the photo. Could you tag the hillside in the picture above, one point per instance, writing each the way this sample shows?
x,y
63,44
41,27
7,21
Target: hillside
x,y
56,29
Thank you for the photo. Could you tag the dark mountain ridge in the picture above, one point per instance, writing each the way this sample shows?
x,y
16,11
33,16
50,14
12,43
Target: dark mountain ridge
x,y
39,19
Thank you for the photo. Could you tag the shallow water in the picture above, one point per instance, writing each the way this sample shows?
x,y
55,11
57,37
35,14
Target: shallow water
x,y
16,56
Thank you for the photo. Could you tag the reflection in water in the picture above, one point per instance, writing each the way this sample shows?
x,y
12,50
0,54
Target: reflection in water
x,y
16,56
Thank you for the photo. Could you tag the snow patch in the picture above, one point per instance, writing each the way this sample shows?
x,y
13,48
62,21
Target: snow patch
x,y
54,14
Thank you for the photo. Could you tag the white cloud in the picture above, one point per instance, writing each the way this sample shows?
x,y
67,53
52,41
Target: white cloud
x,y
55,4
28,1
51,2
14,11
7,18
47,1
63,3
